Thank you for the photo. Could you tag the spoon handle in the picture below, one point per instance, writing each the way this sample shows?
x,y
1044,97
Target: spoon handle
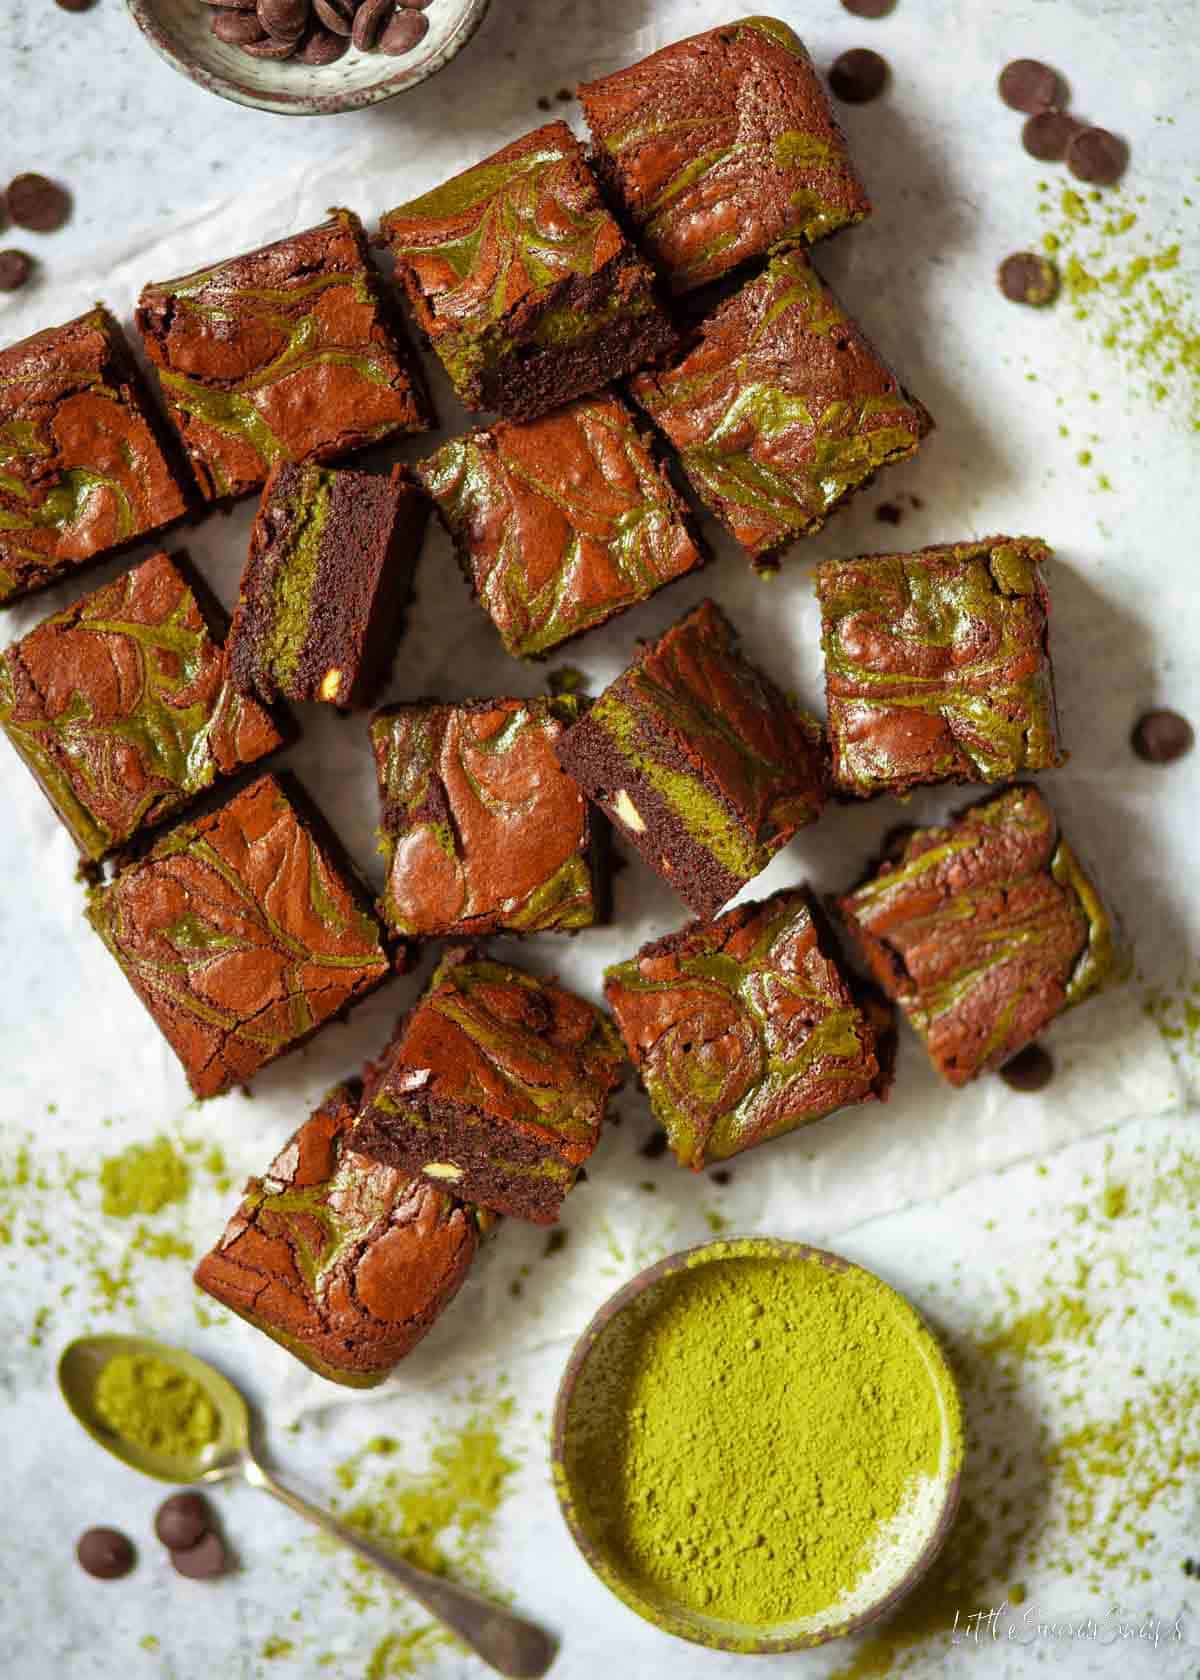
x,y
510,1644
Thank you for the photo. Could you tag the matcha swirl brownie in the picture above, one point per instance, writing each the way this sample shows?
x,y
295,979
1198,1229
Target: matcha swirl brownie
x,y
521,280
344,1262
495,1086
84,467
700,761
722,148
289,353
743,1028
780,408
937,665
983,931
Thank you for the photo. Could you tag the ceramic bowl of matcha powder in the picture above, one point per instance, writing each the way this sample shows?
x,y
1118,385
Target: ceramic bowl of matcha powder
x,y
757,1445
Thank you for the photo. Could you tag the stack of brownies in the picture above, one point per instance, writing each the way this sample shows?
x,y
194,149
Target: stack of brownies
x,y
665,273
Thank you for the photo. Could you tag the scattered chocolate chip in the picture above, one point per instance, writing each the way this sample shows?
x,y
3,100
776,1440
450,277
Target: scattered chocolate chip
x,y
1191,1567
1047,134
15,269
269,47
403,33
1028,85
368,21
1026,277
655,1145
869,8
1030,1069
238,29
414,5
74,5
286,20
335,15
543,104
36,203
723,1174
915,501
889,513
204,1561
324,47
1160,737
564,95
1096,156
182,1521
105,1553
556,1241
858,75
234,5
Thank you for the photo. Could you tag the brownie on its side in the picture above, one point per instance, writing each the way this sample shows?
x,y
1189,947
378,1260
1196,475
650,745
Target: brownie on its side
x,y
123,709
494,1086
743,1029
344,1262
721,148
288,353
937,665
561,522
481,830
330,570
780,408
700,761
243,933
522,281
983,931
83,468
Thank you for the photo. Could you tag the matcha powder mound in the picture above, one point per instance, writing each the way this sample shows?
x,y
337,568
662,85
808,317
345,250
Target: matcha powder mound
x,y
749,1442
155,1406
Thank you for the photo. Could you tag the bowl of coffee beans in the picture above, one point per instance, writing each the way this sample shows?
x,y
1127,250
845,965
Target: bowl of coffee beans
x,y
307,57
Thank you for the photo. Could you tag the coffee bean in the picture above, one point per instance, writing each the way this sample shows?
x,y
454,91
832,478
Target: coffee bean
x,y
1047,135
858,75
1028,85
869,8
204,1561
15,269
324,47
1030,1069
1096,156
286,20
105,1553
36,203
655,1145
1026,277
335,18
369,19
1160,737
237,28
182,1521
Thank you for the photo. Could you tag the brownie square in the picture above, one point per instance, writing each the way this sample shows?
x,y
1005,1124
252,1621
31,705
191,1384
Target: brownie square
x,y
83,467
700,761
780,408
344,1262
522,281
123,709
561,522
288,353
743,1028
332,555
243,933
494,1086
721,148
983,931
481,830
937,665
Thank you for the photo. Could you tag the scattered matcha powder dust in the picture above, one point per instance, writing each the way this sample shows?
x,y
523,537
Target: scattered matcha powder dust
x,y
152,1404
145,1178
754,1435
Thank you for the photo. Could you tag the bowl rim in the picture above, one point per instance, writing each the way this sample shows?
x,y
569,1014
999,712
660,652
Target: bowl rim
x,y
288,104
730,1246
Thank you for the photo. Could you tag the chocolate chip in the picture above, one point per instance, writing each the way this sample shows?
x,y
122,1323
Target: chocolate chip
x,y
1097,156
105,1553
368,21
204,1561
269,47
403,33
324,47
286,20
239,29
182,1521
36,203
1028,85
723,1175
655,1145
543,103
1160,737
1026,277
335,16
1047,134
1030,1069
858,75
74,5
15,269
888,513
869,8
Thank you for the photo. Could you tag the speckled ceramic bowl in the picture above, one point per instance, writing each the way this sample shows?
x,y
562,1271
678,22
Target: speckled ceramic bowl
x,y
181,32
591,1387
